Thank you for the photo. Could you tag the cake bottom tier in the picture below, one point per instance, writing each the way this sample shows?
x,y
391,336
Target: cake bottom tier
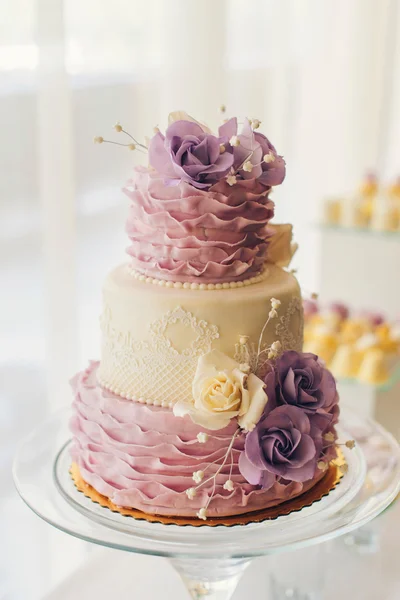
x,y
144,457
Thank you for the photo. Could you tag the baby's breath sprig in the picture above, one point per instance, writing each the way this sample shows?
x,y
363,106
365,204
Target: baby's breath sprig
x,y
330,438
255,123
273,313
247,166
133,145
231,179
119,129
198,478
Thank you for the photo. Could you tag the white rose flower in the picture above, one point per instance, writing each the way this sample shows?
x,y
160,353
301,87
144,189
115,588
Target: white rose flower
x,y
221,392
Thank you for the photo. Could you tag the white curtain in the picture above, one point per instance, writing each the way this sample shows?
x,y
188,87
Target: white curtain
x,y
323,77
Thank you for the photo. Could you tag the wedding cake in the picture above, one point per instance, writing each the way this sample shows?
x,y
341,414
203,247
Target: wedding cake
x,y
203,404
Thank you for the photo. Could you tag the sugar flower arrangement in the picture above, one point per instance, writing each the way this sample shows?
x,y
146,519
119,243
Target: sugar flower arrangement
x,y
285,405
190,152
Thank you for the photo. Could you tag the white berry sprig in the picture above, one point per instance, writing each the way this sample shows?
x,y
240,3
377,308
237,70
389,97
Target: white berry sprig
x,y
133,145
198,477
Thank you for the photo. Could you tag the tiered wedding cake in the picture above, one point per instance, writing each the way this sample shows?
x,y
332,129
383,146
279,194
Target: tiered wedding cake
x,y
202,402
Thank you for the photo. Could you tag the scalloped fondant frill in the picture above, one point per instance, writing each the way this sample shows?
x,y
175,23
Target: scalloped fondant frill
x,y
181,233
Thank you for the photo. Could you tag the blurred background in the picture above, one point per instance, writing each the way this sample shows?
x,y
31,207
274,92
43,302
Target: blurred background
x,y
324,79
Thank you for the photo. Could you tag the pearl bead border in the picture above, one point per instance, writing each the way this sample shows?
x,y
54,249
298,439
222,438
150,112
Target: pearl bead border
x,y
197,286
140,400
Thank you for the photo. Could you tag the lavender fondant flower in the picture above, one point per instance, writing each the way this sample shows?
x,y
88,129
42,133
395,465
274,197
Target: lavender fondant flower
x,y
280,446
255,157
189,153
302,381
274,167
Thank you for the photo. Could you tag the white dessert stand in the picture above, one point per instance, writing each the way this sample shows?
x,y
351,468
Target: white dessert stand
x,y
210,560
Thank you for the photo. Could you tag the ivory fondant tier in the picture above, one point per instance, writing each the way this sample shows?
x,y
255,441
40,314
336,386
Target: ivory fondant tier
x,y
143,457
153,336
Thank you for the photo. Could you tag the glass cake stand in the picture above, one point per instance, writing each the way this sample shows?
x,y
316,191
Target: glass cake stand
x,y
210,560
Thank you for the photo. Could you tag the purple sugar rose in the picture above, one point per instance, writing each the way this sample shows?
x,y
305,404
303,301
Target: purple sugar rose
x,y
280,446
188,153
302,381
253,147
273,173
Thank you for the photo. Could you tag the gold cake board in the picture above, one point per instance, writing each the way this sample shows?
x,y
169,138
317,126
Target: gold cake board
x,y
318,491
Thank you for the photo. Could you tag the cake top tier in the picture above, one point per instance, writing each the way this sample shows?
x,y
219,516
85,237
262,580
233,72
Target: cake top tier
x,y
183,233
200,210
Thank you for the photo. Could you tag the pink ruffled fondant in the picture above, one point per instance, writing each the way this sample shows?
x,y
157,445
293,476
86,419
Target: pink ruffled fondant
x,y
143,456
181,233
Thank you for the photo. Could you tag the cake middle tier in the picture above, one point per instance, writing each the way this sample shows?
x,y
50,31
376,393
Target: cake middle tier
x,y
153,335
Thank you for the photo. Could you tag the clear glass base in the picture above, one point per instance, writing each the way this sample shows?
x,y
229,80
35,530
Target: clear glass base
x,y
210,579
210,560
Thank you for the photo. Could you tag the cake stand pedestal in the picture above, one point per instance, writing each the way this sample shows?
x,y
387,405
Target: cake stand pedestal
x,y
210,560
